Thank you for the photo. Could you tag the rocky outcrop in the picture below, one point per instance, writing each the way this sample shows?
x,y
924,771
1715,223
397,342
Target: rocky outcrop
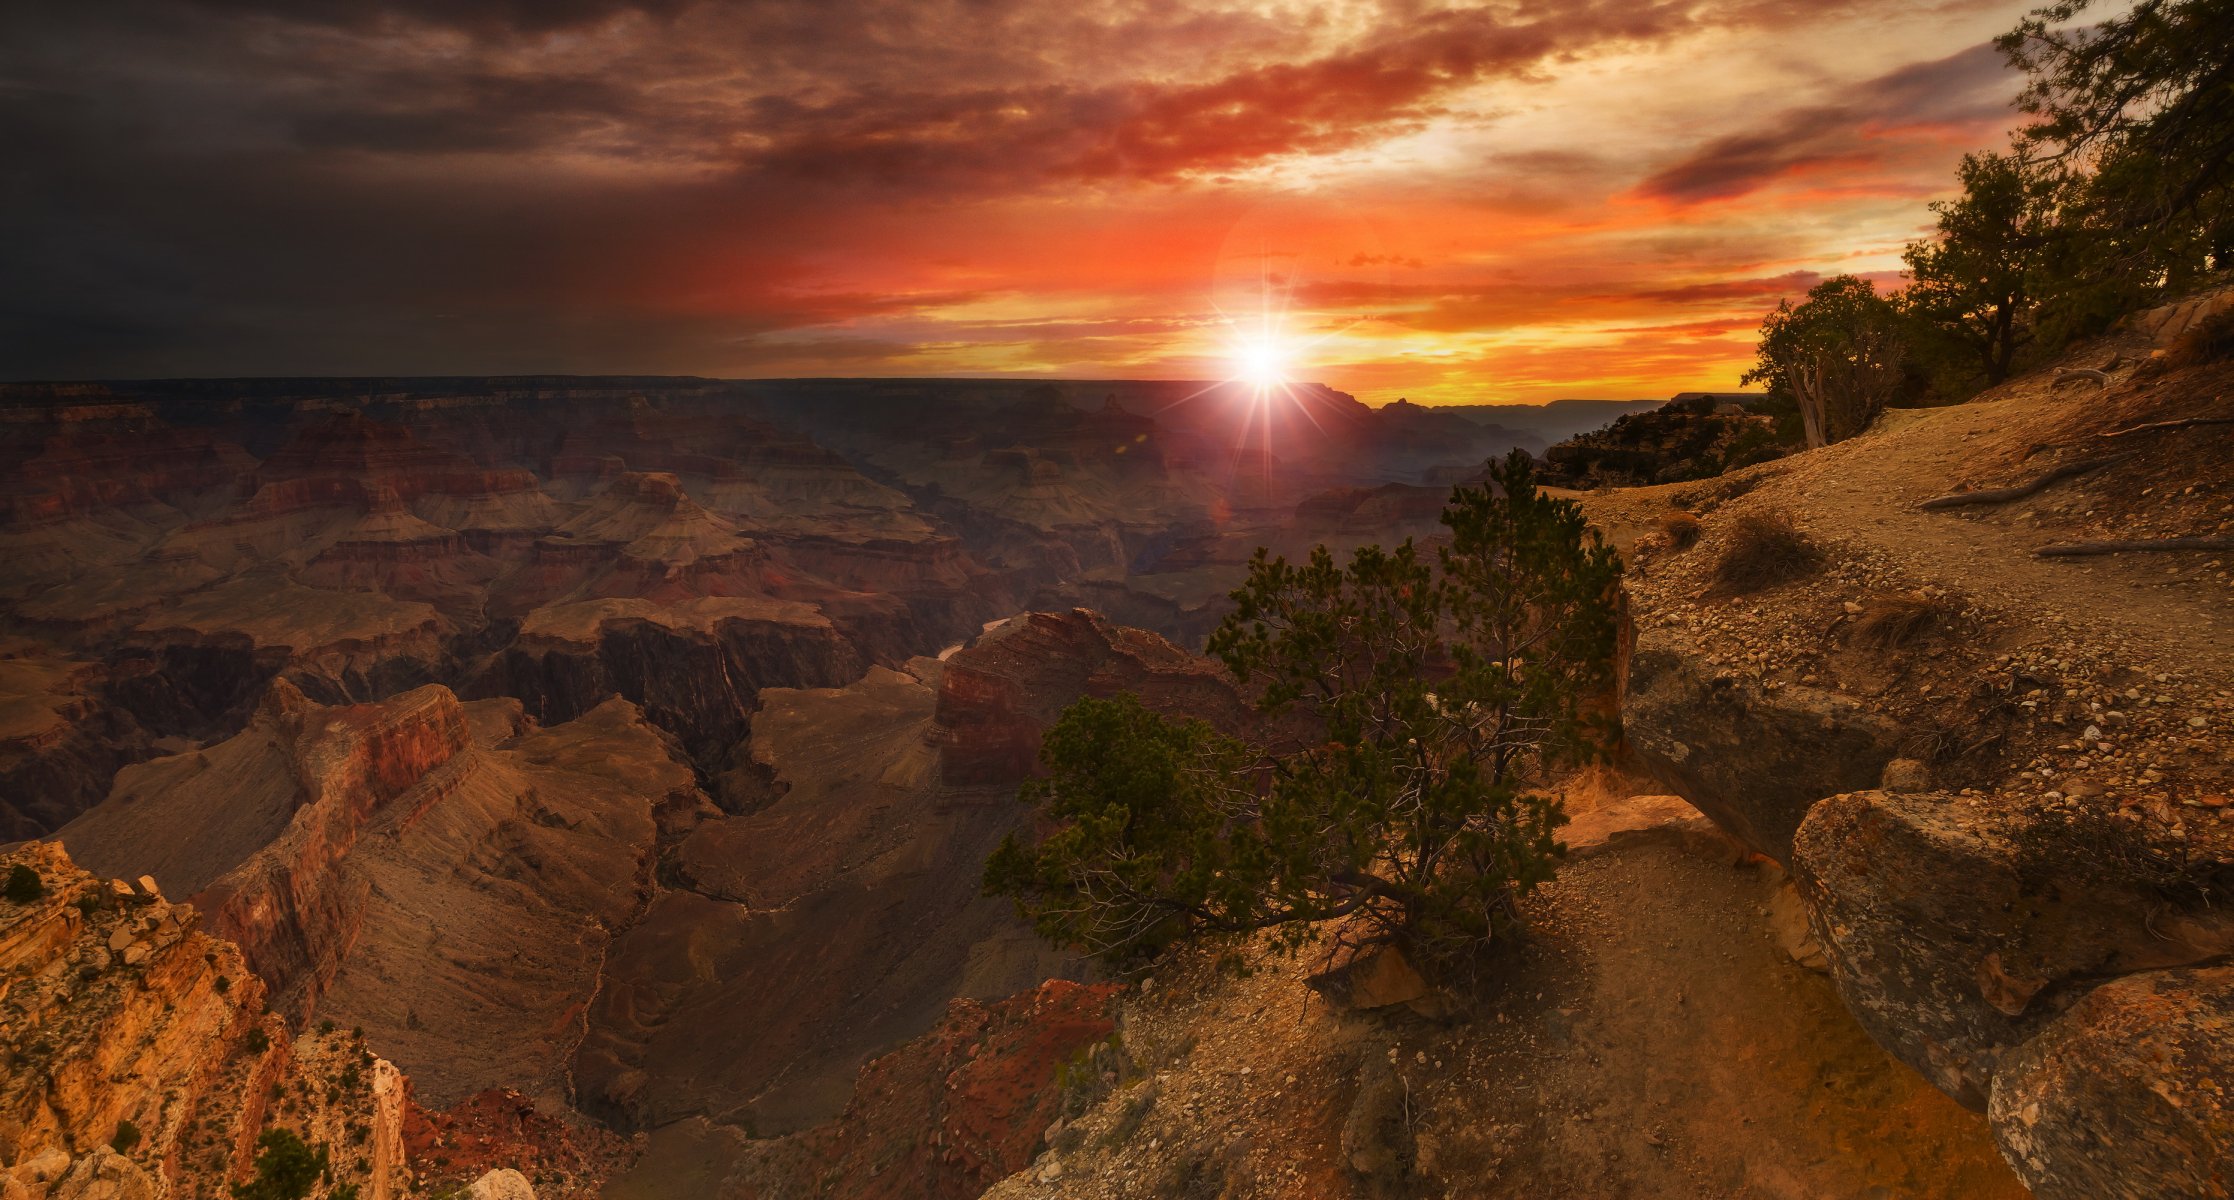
x,y
329,841
1693,436
694,667
2030,967
997,697
2124,1095
139,1055
1955,929
501,1134
1753,759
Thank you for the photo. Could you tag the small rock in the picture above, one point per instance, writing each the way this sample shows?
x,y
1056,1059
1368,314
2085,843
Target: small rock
x,y
503,1183
1905,775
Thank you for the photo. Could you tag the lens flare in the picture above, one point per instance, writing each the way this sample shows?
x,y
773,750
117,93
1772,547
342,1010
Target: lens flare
x,y
1262,363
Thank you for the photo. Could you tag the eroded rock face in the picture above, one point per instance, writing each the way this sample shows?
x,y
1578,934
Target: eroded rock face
x,y
1752,759
2035,976
695,667
330,841
2125,1094
138,1054
998,697
60,743
943,1117
798,939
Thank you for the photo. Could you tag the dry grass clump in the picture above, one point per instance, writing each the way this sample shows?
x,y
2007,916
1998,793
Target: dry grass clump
x,y
1680,528
1763,550
1891,621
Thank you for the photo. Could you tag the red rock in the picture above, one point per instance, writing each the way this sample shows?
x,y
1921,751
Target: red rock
x,y
999,696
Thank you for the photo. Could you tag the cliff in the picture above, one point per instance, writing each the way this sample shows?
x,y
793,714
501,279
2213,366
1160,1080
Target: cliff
x,y
141,1058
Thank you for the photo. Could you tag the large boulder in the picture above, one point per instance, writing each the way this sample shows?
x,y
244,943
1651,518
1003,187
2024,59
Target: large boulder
x,y
1956,928
2126,1094
2024,964
1751,758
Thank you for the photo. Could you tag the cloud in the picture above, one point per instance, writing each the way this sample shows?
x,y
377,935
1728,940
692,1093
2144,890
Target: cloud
x,y
1959,93
734,186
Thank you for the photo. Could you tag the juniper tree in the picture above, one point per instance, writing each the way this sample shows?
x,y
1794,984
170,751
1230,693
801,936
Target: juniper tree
x,y
1423,700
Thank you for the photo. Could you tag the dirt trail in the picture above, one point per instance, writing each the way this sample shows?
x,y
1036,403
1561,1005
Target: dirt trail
x,y
1648,1037
2160,611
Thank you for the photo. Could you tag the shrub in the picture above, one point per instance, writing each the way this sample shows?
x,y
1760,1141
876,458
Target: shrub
x,y
1889,622
1434,694
257,1041
1764,551
286,1168
1681,528
24,885
127,1136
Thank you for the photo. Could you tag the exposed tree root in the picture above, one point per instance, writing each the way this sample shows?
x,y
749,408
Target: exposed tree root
x,y
2128,431
2163,426
2081,549
2022,490
2069,373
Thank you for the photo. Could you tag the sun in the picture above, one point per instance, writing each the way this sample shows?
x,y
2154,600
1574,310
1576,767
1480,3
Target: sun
x,y
1262,363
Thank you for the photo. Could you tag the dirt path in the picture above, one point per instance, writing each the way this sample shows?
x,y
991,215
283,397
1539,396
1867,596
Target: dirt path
x,y
1649,1039
2160,612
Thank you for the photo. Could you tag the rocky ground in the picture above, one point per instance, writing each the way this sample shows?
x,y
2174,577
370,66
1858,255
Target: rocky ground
x,y
1650,1035
2001,778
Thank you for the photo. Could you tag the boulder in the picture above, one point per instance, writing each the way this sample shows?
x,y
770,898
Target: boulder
x,y
501,1184
1374,977
1752,759
1956,929
104,1175
2125,1094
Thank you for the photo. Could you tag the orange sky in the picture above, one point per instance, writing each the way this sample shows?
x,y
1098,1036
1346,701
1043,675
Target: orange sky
x,y
1458,204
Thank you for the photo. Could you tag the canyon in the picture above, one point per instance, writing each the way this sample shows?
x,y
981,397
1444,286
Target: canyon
x,y
590,778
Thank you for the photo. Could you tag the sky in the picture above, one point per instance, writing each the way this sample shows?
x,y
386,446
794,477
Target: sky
x,y
1453,203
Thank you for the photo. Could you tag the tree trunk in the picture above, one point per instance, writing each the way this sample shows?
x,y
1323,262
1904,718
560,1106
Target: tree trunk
x,y
1807,388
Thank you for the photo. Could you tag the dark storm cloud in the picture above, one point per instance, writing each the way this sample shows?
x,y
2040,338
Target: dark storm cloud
x,y
1966,88
488,16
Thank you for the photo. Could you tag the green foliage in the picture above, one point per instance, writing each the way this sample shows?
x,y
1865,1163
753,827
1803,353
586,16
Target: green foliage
x,y
1975,287
1839,354
1431,696
2144,102
24,885
127,1136
286,1168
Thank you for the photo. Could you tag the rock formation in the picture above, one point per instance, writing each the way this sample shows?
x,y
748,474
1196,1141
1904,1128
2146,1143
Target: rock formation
x,y
332,843
140,1060
997,698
